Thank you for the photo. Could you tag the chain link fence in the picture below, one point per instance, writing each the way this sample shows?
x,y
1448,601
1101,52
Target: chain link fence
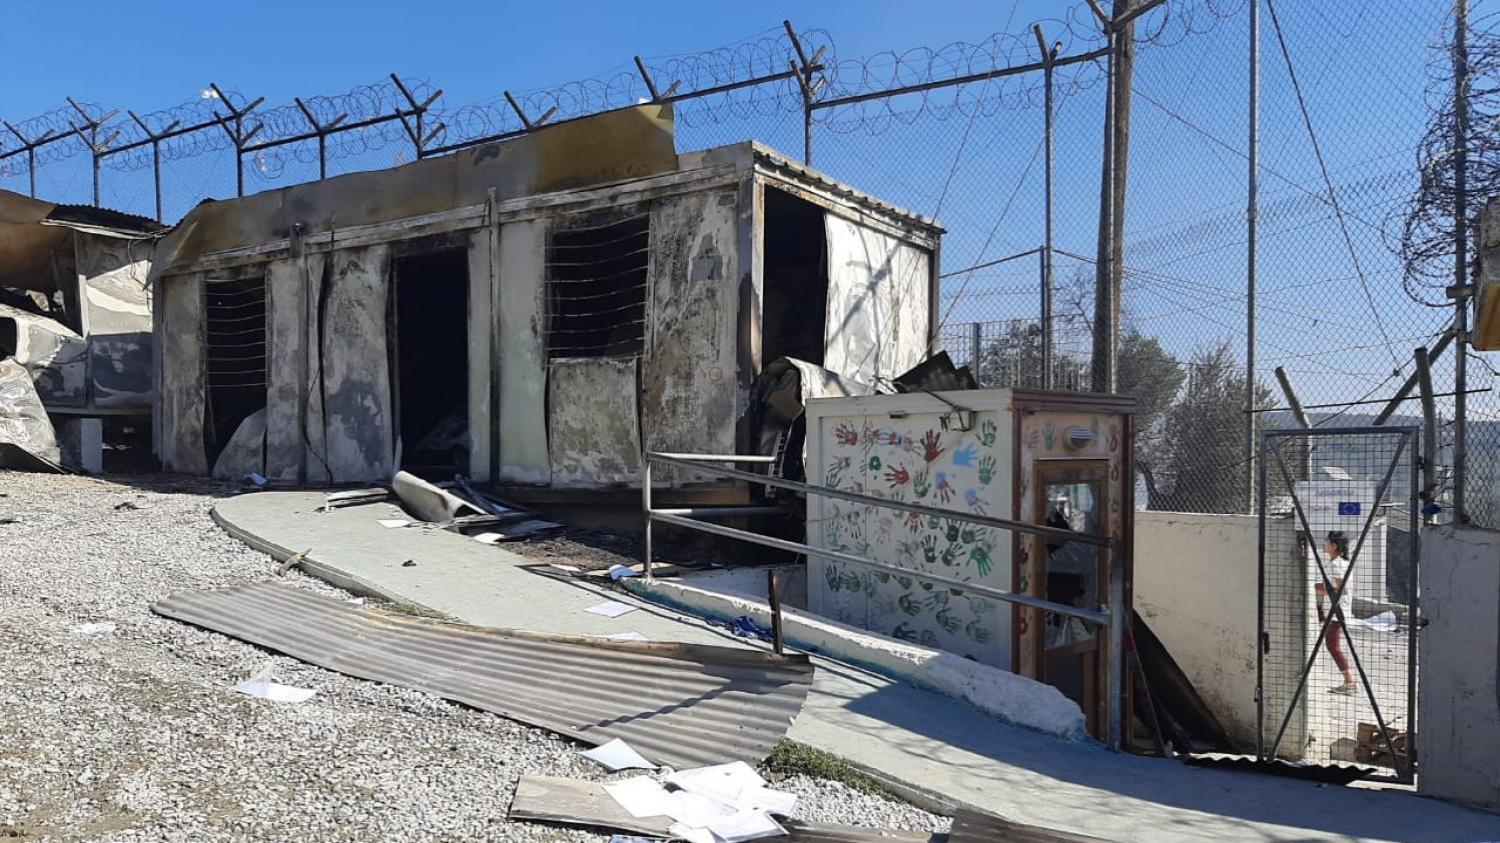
x,y
1346,96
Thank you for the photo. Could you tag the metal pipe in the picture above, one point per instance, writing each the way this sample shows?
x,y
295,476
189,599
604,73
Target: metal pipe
x,y
976,347
960,80
1429,427
1411,380
1413,623
1261,639
852,497
748,458
773,599
1093,616
1291,397
1460,252
1049,53
646,513
156,174
723,511
1252,228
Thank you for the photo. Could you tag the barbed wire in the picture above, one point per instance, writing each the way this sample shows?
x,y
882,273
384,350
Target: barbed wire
x,y
1422,230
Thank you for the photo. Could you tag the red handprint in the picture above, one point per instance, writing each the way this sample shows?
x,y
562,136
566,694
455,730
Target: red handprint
x,y
845,434
897,476
931,445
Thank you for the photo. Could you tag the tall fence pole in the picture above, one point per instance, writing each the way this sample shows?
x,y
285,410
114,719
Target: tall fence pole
x,y
1460,252
1048,54
1252,226
976,347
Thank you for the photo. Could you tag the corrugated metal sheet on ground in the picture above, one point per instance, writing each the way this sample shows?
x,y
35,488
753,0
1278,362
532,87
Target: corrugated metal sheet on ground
x,y
585,803
974,827
680,704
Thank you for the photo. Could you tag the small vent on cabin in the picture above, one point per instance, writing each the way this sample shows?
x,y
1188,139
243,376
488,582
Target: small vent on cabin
x,y
235,346
596,289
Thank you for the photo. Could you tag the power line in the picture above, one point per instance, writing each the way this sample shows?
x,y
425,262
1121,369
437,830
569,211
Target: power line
x,y
1327,181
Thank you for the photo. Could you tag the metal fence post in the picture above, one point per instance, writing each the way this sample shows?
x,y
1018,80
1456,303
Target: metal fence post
x,y
1048,55
1252,215
1460,253
646,512
976,348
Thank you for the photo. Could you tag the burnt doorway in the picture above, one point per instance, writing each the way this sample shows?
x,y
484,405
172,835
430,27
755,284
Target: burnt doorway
x,y
795,300
430,316
235,358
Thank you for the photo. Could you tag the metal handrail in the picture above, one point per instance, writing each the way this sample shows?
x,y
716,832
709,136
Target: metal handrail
x,y
1112,620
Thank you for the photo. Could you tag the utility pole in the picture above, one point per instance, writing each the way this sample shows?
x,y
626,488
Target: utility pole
x,y
1120,31
1252,225
1461,291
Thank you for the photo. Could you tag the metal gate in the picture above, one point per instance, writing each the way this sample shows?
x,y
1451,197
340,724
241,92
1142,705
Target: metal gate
x,y
1337,669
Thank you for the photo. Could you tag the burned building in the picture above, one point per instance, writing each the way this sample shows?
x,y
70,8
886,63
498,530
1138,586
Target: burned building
x,y
531,313
75,313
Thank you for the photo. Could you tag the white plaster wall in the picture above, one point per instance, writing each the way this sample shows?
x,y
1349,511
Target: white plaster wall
x,y
1196,586
1458,718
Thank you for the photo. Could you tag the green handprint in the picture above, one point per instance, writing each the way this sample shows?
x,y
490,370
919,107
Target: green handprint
x,y
980,556
928,639
987,432
909,605
936,600
951,554
921,485
951,533
831,575
1049,434
932,522
946,620
979,634
929,549
905,633
904,582
967,536
987,469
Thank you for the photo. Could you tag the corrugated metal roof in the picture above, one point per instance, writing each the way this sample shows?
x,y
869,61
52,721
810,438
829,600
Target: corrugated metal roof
x,y
680,704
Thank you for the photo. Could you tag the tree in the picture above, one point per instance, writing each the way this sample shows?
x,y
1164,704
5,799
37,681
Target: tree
x,y
1194,463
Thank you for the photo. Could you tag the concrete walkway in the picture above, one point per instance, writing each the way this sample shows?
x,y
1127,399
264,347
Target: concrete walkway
x,y
933,748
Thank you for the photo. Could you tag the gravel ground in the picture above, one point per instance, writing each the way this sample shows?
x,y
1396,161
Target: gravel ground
x,y
132,733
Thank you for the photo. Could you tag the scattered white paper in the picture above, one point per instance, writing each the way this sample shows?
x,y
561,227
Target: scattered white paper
x,y
631,635
745,825
692,835
394,522
611,609
1383,622
618,755
357,601
261,686
641,796
770,801
572,569
95,628
631,838
489,538
694,810
722,782
620,572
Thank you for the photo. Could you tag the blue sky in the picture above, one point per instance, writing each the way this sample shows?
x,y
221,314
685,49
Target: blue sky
x,y
1361,67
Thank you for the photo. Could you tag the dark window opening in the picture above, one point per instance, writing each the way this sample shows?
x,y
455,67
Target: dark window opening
x,y
430,293
795,292
596,288
235,348
8,337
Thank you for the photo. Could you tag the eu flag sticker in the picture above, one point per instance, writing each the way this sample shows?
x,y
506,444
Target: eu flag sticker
x,y
1348,507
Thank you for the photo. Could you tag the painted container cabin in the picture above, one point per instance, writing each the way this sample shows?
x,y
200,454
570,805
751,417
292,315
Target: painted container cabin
x,y
530,313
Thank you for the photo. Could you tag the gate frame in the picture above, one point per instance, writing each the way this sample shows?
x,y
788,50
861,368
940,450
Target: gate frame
x,y
1409,438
